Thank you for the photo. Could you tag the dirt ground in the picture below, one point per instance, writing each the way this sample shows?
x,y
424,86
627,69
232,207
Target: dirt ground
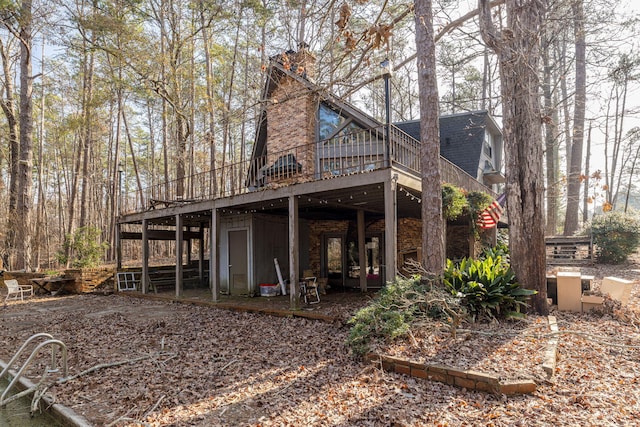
x,y
185,365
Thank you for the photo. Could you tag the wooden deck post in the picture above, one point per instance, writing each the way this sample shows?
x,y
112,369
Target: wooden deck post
x,y
362,251
118,247
144,279
189,248
201,255
390,229
214,284
179,251
294,295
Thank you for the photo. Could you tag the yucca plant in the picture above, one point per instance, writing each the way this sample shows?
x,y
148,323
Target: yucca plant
x,y
499,250
486,287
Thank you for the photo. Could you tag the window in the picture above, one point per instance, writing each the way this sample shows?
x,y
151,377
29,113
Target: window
x,y
488,150
488,145
333,125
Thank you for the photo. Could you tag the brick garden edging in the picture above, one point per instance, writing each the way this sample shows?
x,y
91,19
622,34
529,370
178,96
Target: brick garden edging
x,y
551,355
469,379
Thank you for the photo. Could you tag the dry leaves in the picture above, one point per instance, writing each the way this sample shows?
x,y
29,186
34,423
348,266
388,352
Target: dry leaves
x,y
215,367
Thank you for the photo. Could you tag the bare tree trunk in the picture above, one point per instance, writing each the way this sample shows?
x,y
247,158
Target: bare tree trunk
x,y
485,79
517,48
41,226
561,58
115,171
24,205
226,114
87,139
152,147
73,191
573,188
192,113
433,250
632,172
587,172
620,75
165,124
245,97
211,109
133,159
302,22
551,147
9,109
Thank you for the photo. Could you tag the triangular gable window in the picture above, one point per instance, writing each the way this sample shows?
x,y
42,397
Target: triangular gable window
x,y
332,126
345,146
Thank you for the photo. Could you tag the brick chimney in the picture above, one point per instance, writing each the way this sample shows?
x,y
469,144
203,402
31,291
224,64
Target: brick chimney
x,y
302,62
291,114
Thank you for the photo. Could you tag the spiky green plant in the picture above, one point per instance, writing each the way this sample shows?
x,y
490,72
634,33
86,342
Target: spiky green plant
x,y
486,287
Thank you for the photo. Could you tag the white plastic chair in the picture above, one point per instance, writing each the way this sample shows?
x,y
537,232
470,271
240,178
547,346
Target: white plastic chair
x,y
15,290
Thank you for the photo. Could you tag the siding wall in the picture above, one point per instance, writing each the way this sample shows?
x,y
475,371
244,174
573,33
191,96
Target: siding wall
x,y
270,237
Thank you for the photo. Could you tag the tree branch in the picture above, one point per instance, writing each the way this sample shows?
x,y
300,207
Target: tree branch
x,y
444,31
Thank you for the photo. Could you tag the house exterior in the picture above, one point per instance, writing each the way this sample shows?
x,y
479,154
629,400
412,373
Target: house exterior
x,y
470,140
328,190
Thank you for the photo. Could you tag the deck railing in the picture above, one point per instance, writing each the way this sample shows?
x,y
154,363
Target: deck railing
x,y
343,154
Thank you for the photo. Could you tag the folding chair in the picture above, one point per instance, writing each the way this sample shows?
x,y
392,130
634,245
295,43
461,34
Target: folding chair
x,y
309,290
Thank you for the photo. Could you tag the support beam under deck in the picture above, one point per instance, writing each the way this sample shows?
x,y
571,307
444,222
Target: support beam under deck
x,y
294,257
214,283
144,280
390,230
362,250
179,251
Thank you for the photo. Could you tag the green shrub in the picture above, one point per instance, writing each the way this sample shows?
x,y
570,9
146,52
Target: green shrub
x,y
486,287
84,248
477,201
616,236
454,202
397,305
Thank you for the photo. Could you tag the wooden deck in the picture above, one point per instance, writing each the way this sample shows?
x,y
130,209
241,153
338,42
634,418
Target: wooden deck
x,y
365,155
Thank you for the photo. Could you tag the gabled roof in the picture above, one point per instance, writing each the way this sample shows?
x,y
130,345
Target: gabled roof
x,y
461,137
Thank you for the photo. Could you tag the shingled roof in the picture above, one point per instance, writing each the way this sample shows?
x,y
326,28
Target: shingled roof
x,y
461,137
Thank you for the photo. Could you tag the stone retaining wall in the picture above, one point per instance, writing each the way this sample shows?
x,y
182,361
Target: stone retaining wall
x,y
88,279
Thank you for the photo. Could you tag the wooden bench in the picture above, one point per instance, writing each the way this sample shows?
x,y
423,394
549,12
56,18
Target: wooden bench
x,y
569,250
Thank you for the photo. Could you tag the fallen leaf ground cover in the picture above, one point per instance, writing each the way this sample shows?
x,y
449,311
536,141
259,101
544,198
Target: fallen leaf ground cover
x,y
202,366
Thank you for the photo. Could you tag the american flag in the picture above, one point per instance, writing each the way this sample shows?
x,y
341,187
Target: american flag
x,y
489,217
